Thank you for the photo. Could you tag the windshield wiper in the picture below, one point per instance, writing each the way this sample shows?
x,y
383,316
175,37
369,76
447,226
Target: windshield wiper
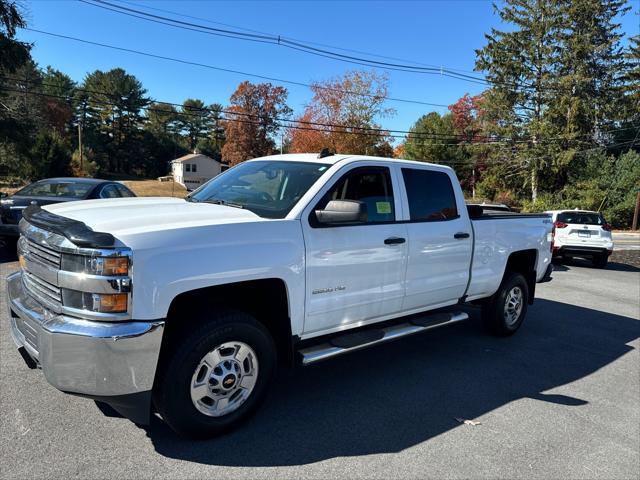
x,y
217,201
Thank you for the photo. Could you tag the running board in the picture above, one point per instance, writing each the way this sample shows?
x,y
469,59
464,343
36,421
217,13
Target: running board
x,y
366,338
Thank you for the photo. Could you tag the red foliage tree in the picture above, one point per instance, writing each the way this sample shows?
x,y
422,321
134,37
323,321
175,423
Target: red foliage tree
x,y
253,120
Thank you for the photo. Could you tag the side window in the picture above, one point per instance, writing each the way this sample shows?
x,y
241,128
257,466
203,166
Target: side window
x,y
109,191
194,167
187,167
371,185
430,195
124,191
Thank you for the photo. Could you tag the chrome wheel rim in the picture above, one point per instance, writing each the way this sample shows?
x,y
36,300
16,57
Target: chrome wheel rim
x,y
224,379
513,306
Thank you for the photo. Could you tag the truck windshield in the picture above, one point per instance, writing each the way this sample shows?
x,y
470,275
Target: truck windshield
x,y
267,188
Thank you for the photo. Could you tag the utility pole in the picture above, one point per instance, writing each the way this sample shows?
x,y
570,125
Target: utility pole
x,y
80,146
634,224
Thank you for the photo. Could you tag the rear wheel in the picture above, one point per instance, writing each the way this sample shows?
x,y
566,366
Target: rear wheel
x,y
600,261
215,377
504,313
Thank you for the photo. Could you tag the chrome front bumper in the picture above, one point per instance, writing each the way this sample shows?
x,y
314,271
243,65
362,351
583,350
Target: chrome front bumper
x,y
90,358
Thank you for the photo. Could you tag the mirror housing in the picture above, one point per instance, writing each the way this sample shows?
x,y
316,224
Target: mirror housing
x,y
342,211
4,194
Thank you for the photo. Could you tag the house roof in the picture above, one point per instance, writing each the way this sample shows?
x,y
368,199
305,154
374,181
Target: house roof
x,y
193,156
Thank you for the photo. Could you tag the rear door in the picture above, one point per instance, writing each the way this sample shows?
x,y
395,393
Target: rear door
x,y
440,238
355,273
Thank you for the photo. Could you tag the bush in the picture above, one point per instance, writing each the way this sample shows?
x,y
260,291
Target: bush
x,y
89,166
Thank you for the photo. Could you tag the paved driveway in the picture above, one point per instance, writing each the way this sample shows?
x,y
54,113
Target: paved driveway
x,y
558,400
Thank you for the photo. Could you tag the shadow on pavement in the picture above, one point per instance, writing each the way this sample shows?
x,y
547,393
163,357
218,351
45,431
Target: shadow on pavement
x,y
8,251
566,264
389,398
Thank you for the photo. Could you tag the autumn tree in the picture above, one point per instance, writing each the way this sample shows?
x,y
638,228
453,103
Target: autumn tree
x,y
343,116
252,121
473,132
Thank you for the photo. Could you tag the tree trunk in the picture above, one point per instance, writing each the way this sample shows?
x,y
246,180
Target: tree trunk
x,y
534,180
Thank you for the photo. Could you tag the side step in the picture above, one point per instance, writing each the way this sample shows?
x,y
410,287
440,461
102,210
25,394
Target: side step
x,y
365,338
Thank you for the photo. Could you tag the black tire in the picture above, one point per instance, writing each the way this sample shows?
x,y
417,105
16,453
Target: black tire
x,y
171,395
600,261
493,311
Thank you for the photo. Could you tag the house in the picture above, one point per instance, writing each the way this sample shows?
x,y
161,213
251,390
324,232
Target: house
x,y
194,169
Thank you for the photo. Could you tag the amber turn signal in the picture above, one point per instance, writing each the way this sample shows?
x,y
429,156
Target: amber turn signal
x,y
115,266
110,303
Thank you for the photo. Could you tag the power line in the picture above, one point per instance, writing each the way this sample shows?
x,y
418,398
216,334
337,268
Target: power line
x,y
208,20
518,163
410,134
380,131
296,127
283,123
306,47
285,42
238,72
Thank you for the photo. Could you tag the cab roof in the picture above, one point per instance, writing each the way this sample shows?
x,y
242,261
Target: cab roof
x,y
335,158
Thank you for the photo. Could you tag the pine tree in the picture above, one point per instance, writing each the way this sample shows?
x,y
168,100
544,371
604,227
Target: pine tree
x,y
521,64
590,83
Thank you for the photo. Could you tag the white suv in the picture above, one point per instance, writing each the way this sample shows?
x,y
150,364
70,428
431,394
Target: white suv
x,y
581,233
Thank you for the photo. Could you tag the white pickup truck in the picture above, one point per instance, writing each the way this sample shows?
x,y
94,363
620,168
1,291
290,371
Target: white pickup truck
x,y
186,306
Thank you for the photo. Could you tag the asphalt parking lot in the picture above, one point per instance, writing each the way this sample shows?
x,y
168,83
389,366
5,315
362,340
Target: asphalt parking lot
x,y
558,400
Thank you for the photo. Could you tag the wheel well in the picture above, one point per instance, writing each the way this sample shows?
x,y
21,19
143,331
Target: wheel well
x,y
266,300
524,262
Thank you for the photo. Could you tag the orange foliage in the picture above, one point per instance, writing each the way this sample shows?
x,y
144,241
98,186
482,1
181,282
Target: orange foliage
x,y
253,121
342,116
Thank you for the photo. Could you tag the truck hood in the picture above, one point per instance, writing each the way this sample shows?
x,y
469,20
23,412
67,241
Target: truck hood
x,y
127,216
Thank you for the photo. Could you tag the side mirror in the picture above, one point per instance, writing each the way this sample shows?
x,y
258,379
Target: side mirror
x,y
4,194
342,211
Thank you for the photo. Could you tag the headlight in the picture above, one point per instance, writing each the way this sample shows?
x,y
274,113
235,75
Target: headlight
x,y
105,266
6,201
95,302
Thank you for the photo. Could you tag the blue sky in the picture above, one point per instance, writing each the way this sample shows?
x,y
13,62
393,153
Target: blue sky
x,y
436,33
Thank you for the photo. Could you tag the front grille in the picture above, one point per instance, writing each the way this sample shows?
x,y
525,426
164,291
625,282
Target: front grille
x,y
41,289
28,331
43,277
45,255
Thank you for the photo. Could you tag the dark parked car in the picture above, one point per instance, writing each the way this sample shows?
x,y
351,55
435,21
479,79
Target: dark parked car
x,y
54,190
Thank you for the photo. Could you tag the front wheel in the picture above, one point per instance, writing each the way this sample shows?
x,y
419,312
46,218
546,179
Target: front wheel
x,y
215,377
504,313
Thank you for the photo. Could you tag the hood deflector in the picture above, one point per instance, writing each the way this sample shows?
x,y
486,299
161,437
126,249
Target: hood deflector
x,y
76,231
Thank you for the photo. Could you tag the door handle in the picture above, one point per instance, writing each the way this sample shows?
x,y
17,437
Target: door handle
x,y
394,241
460,235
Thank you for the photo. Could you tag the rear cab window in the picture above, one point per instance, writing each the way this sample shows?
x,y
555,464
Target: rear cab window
x,y
430,195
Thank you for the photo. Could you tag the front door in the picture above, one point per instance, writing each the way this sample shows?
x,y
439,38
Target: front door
x,y
355,273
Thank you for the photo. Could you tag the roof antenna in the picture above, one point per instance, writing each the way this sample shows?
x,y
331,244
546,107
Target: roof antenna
x,y
325,152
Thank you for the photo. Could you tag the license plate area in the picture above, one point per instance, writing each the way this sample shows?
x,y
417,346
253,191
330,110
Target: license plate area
x,y
583,234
